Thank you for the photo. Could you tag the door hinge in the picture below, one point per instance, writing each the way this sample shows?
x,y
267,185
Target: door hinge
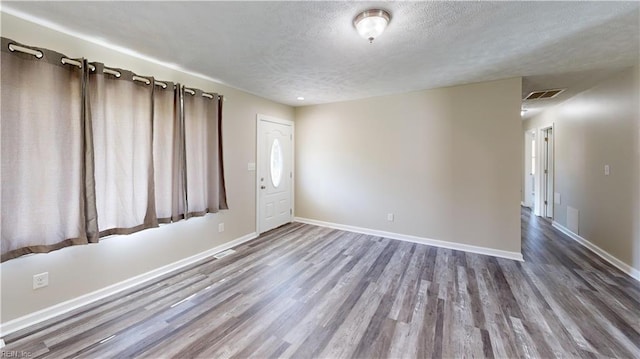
x,y
546,139
291,137
545,171
290,174
545,203
290,210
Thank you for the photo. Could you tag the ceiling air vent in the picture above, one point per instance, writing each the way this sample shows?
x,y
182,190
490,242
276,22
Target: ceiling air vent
x,y
545,94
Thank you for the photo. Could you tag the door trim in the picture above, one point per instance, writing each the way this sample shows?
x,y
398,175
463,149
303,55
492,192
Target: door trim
x,y
540,152
260,117
527,199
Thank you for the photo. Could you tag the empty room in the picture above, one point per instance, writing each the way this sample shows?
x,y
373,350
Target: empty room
x,y
315,179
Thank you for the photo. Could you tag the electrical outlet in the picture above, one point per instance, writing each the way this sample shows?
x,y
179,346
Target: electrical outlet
x,y
41,280
390,217
221,227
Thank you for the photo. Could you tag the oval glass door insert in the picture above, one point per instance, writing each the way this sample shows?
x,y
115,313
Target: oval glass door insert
x,y
276,163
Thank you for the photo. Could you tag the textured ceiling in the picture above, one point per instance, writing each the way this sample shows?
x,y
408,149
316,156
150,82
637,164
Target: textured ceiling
x,y
282,50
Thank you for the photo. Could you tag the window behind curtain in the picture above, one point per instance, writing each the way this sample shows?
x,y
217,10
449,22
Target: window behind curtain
x,y
203,153
168,153
46,202
86,153
122,116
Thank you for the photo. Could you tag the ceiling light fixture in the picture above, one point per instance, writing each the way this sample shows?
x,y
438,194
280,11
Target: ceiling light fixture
x,y
300,98
371,23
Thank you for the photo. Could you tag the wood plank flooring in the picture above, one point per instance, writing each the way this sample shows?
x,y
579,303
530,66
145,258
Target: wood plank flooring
x,y
302,291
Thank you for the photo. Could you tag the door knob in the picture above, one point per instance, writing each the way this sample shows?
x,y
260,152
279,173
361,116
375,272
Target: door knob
x,y
262,187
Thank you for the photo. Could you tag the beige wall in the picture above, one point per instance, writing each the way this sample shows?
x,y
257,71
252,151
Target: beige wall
x,y
446,162
597,127
83,269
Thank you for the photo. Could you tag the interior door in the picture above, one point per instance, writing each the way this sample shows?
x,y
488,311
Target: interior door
x,y
547,178
532,172
275,173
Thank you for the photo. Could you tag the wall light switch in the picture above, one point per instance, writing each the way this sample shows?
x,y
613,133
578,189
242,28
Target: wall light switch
x,y
607,170
220,227
251,166
390,217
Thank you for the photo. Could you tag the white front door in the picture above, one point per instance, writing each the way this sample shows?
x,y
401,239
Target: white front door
x,y
275,172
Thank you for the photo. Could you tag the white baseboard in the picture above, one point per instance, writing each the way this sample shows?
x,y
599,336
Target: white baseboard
x,y
414,239
634,273
65,307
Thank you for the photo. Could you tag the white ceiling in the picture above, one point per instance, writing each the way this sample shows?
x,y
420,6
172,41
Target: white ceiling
x,y
282,50
573,82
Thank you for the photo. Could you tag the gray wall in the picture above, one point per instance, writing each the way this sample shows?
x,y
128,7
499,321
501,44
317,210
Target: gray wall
x,y
82,269
447,162
597,127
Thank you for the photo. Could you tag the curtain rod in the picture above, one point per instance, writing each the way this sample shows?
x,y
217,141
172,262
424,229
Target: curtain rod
x,y
141,79
192,92
71,62
111,72
118,74
26,50
38,54
64,60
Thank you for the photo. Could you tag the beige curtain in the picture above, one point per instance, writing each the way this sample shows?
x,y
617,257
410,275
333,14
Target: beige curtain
x,y
122,116
168,153
222,188
47,189
203,153
89,151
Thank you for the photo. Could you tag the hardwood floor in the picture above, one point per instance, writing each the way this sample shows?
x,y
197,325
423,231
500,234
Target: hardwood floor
x,y
302,291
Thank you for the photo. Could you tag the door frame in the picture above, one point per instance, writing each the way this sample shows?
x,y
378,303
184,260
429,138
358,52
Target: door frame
x,y
260,117
542,188
529,150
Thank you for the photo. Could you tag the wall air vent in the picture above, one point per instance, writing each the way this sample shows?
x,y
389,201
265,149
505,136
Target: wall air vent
x,y
543,95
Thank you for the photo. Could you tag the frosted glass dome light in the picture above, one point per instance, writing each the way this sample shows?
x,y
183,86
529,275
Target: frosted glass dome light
x,y
371,23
